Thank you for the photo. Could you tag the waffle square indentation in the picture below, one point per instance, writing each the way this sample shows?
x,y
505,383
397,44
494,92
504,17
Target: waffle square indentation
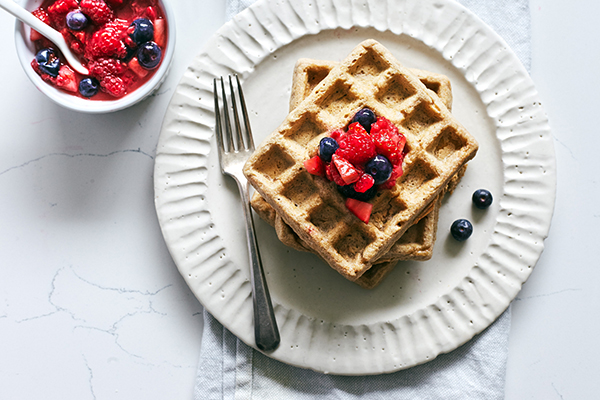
x,y
395,91
339,101
421,117
447,143
418,175
274,162
304,130
325,217
368,66
385,206
300,189
353,242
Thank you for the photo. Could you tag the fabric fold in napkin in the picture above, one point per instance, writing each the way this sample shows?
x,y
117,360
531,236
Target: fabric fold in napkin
x,y
229,369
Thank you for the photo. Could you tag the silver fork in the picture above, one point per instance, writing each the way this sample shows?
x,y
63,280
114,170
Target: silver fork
x,y
235,146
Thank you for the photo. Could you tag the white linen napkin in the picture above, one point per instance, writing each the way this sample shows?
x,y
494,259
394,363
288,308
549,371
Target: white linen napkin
x,y
229,369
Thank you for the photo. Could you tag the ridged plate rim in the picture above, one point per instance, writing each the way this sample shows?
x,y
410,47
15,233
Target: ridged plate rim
x,y
526,206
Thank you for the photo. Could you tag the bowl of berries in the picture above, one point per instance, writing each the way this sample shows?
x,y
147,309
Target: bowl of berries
x,y
126,45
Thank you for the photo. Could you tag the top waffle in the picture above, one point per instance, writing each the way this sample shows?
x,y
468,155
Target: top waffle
x,y
438,146
417,242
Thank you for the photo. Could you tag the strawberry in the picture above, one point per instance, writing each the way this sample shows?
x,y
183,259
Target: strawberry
x,y
364,183
332,174
348,172
361,209
66,79
160,33
43,16
314,166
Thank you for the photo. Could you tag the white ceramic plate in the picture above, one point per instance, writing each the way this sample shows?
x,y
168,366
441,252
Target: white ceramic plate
x,y
421,309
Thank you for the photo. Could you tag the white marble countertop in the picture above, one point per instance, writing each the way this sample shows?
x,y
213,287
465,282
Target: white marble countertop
x,y
92,306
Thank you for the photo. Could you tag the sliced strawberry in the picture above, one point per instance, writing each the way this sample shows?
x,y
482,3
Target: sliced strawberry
x,y
361,209
364,183
314,165
160,33
401,142
356,127
150,13
135,66
348,172
42,15
66,79
332,174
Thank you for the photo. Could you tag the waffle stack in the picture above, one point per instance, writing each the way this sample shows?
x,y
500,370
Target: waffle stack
x,y
308,212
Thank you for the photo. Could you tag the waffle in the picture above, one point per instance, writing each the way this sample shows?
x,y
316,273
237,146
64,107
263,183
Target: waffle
x,y
417,243
438,147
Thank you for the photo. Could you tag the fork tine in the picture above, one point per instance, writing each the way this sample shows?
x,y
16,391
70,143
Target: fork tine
x,y
237,139
248,137
218,125
228,139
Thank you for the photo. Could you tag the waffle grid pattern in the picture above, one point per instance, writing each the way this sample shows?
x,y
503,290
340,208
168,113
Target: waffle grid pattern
x,y
438,146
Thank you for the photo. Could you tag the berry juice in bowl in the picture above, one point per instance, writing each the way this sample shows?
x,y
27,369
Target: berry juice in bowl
x,y
127,46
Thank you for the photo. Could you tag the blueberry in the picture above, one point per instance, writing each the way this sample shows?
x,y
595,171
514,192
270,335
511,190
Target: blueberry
x,y
380,168
365,117
48,62
482,199
149,55
327,146
461,229
348,191
76,20
88,87
143,30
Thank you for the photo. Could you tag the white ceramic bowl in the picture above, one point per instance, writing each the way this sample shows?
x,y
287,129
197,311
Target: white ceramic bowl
x,y
26,53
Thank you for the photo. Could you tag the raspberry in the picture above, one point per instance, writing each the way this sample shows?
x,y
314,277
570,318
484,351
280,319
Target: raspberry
x,y
107,42
332,174
113,85
386,146
383,123
58,12
97,10
336,134
60,8
103,67
356,145
364,183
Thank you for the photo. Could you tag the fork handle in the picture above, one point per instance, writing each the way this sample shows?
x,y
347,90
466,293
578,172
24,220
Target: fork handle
x,y
266,333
